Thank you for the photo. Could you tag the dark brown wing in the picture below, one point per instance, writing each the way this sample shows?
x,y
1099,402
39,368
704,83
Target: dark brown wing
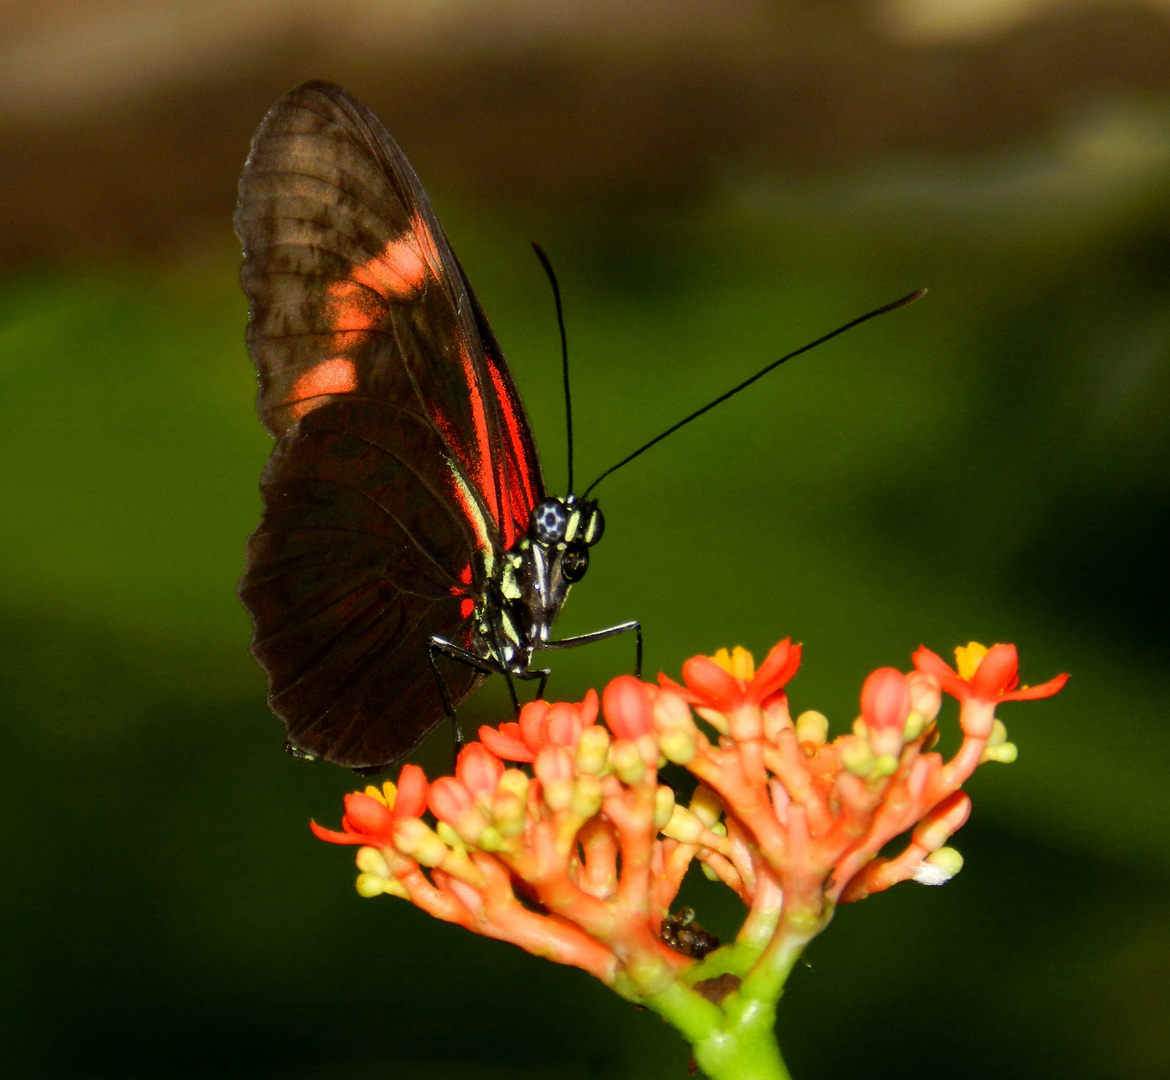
x,y
404,464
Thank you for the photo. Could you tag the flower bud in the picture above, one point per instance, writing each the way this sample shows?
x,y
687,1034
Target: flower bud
x,y
706,806
514,781
627,708
856,755
593,751
671,712
708,873
369,885
663,806
648,747
508,813
812,727
371,861
939,867
1004,753
448,835
678,746
488,840
885,765
418,840
626,759
885,706
915,725
586,797
925,694
683,826
558,794
998,733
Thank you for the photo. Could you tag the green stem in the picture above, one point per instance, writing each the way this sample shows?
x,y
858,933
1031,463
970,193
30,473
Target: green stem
x,y
736,1039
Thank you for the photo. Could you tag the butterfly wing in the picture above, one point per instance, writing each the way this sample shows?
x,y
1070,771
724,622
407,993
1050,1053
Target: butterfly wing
x,y
404,465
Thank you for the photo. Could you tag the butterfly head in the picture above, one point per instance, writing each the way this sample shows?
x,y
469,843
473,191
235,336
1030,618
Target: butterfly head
x,y
569,525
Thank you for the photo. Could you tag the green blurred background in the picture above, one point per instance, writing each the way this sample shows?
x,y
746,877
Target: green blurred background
x,y
716,184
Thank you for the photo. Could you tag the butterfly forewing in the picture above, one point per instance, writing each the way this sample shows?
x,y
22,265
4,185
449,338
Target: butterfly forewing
x,y
404,466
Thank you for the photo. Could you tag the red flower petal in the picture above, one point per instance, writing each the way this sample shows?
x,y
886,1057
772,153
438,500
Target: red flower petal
x,y
998,673
412,793
711,684
777,669
368,816
532,723
504,744
1032,693
668,683
589,708
332,837
562,724
449,799
932,664
627,708
479,770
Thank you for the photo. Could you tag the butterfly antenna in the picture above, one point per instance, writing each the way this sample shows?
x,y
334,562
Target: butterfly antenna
x,y
552,278
900,303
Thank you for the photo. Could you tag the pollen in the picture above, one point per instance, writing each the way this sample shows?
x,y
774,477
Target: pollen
x,y
739,663
968,658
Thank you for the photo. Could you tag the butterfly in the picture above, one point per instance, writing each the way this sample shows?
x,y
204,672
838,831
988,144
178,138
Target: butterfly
x,y
407,547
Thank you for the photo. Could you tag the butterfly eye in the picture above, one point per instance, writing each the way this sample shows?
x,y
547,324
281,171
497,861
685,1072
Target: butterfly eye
x,y
594,524
549,521
574,563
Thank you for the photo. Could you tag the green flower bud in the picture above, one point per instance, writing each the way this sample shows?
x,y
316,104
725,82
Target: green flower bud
x,y
371,861
706,806
856,755
812,726
1005,753
586,800
663,806
369,885
626,760
683,826
593,751
677,746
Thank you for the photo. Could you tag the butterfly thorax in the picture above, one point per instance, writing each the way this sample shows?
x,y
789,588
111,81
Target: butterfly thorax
x,y
515,615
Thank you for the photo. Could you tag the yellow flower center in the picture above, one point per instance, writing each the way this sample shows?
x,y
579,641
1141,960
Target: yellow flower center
x,y
968,658
739,663
386,794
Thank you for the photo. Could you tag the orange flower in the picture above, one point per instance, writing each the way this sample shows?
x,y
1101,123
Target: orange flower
x,y
984,675
541,725
726,682
370,815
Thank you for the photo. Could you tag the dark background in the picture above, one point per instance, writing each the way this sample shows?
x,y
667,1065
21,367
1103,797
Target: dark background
x,y
717,183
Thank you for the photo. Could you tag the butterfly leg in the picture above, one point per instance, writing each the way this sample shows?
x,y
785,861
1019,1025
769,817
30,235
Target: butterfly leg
x,y
601,635
438,646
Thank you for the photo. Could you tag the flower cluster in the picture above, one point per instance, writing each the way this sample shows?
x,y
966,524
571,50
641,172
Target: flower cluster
x,y
556,833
